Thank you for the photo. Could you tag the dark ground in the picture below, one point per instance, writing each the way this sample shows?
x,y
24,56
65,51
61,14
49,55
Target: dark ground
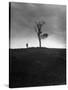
x,y
37,67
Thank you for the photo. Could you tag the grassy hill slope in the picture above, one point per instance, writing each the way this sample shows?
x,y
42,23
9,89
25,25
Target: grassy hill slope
x,y
37,67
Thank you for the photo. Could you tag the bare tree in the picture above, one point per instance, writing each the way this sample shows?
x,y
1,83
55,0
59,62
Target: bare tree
x,y
38,29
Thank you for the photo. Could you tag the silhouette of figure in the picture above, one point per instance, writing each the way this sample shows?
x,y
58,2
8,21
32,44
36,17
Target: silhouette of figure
x,y
26,45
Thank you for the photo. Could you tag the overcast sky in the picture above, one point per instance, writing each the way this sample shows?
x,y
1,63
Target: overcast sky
x,y
23,17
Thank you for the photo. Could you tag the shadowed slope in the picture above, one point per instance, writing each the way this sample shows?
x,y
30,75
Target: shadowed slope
x,y
37,67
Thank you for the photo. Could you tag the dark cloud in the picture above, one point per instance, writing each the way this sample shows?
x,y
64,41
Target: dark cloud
x,y
24,15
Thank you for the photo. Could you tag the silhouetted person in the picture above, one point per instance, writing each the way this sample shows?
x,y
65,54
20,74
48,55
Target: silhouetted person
x,y
26,45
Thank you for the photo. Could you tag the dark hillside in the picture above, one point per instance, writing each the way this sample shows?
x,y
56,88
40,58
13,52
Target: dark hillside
x,y
37,67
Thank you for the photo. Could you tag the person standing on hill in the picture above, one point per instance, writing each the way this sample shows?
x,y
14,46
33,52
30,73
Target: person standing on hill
x,y
26,45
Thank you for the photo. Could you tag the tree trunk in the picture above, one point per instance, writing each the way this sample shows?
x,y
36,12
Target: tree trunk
x,y
39,40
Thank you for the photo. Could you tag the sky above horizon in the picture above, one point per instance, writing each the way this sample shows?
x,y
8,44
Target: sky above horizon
x,y
23,17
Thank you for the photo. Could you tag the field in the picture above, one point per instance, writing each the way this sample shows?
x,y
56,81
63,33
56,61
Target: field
x,y
37,67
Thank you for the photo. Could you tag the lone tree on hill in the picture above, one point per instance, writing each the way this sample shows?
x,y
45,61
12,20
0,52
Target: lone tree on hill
x,y
38,30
